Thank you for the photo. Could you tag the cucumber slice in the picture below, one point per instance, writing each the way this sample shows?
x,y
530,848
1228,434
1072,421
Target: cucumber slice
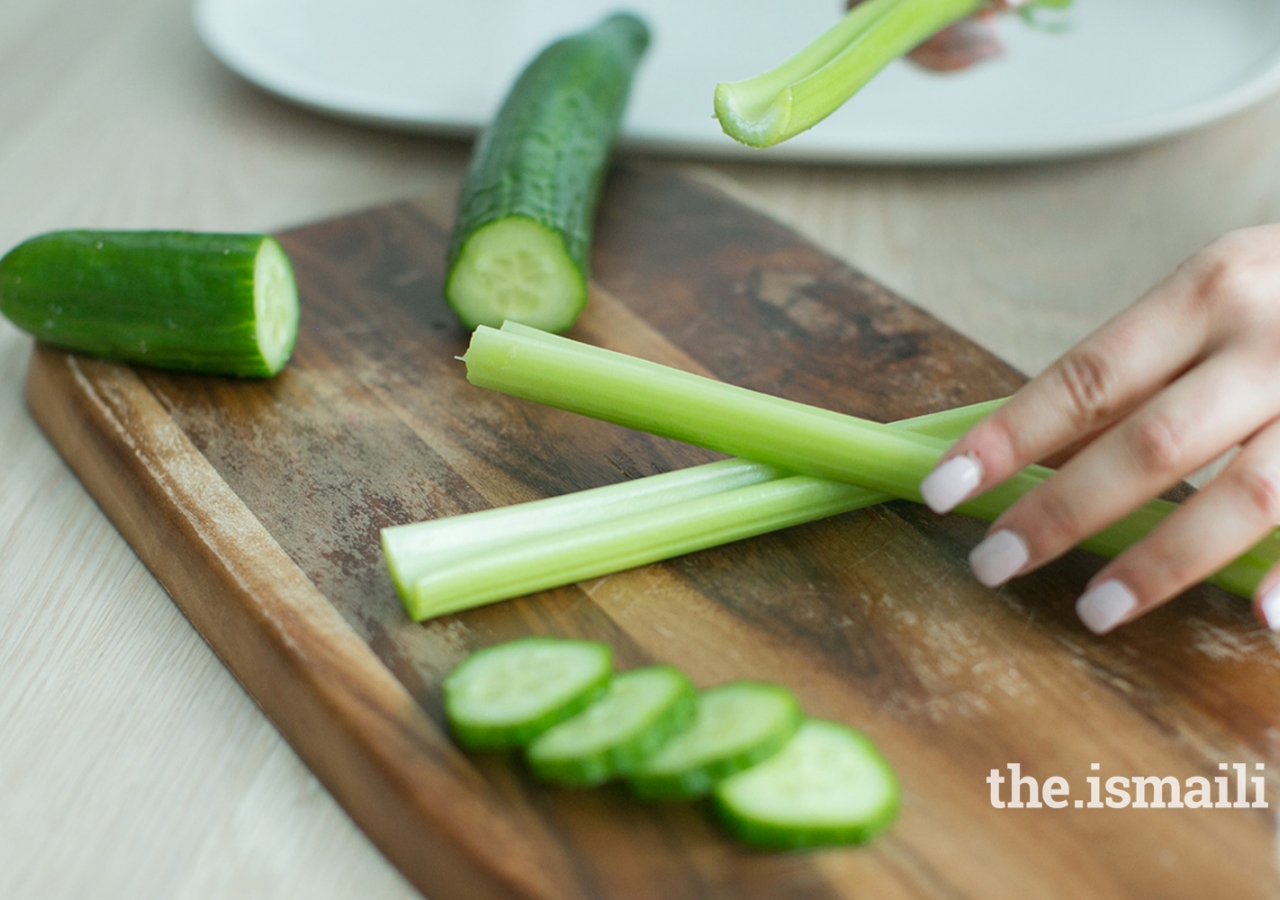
x,y
223,304
522,235
612,736
508,694
827,785
735,725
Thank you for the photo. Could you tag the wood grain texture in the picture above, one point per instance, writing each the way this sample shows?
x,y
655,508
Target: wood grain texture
x,y
258,506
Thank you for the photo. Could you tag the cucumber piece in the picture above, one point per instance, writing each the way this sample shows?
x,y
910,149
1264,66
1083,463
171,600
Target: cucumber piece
x,y
222,304
508,694
522,235
735,726
611,737
827,785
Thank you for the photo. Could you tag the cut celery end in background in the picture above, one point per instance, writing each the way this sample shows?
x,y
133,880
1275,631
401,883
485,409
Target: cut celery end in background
x,y
808,87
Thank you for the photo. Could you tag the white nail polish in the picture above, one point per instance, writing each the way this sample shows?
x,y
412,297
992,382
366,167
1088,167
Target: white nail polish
x,y
1270,607
998,558
1106,605
947,485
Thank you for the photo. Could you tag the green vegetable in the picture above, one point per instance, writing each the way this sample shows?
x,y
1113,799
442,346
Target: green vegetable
x,y
611,737
508,694
217,303
827,785
808,87
735,726
446,565
665,401
522,236
778,779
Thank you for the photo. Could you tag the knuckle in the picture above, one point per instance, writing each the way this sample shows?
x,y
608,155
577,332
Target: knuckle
x,y
1224,277
1089,379
1260,487
1158,443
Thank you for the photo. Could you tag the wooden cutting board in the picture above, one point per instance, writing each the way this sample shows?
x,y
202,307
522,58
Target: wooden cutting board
x,y
258,506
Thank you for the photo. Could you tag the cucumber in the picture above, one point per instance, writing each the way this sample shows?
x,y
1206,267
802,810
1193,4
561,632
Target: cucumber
x,y
222,304
735,726
508,694
827,785
522,234
611,737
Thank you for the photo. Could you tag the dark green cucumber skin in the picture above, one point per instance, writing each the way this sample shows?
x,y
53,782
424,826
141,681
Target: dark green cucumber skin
x,y
545,154
170,299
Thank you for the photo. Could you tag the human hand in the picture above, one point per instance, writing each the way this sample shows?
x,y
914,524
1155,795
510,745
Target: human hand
x,y
1190,371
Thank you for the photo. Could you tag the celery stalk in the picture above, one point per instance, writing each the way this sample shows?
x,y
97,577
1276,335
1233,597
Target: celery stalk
x,y
455,563
804,90
793,436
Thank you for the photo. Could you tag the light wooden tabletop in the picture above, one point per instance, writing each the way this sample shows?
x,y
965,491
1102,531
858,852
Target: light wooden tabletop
x,y
131,762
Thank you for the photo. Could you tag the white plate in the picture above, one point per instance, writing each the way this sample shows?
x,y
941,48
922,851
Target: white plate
x,y
1129,71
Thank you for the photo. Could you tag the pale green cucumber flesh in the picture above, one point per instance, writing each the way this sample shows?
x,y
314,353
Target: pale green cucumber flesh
x,y
275,306
827,785
611,737
215,303
516,269
508,694
734,726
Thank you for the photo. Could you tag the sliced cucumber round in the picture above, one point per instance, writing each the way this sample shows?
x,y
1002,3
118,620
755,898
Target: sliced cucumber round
x,y
508,694
223,304
610,738
827,785
734,726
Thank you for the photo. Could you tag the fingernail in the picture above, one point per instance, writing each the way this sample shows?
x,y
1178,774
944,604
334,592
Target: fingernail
x,y
948,484
1270,607
1106,605
998,558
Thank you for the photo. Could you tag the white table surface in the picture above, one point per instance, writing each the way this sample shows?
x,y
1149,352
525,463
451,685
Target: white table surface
x,y
131,763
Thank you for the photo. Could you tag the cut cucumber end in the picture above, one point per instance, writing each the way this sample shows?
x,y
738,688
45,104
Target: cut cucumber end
x,y
516,269
827,785
275,305
506,695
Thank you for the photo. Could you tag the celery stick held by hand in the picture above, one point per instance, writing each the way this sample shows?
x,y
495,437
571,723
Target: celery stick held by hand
x,y
675,404
798,94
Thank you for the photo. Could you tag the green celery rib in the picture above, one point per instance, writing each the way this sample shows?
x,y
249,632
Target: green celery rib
x,y
793,436
459,562
804,90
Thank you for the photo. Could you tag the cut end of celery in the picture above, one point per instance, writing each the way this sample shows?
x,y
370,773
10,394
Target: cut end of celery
x,y
798,94
752,117
398,559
